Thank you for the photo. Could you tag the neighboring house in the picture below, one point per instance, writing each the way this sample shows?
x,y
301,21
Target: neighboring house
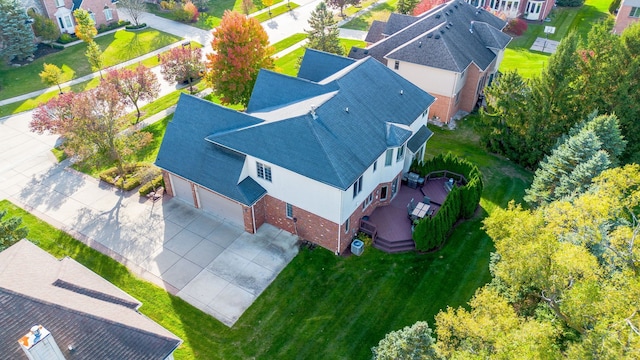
x,y
628,13
73,312
103,12
452,51
312,154
527,9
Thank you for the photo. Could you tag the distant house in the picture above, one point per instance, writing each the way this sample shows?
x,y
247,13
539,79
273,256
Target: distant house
x,y
628,13
527,9
452,51
54,309
312,154
61,11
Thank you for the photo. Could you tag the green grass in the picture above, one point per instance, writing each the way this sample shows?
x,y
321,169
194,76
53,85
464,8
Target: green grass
x,y
380,13
530,63
288,64
117,47
275,11
322,306
288,42
215,10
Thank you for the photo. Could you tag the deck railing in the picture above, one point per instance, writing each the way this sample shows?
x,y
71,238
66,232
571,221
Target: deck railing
x,y
369,228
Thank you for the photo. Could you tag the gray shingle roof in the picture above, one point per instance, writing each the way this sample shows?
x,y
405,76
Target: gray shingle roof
x,y
420,137
441,38
317,65
185,151
328,146
88,312
375,32
335,145
397,22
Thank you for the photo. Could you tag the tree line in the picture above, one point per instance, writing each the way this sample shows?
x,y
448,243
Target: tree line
x,y
525,118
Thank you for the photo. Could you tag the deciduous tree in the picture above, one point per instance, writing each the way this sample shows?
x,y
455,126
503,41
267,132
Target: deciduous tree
x,y
136,85
85,28
426,5
324,33
411,342
11,230
182,64
51,75
134,8
92,125
341,4
16,35
240,49
94,55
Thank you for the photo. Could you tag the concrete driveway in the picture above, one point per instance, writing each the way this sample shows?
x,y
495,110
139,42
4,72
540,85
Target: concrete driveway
x,y
212,264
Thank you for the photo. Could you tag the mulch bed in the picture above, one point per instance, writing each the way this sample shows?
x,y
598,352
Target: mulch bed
x,y
41,50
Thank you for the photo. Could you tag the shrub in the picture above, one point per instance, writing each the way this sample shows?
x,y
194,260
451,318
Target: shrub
x,y
167,5
461,202
132,180
134,27
516,27
570,3
122,23
151,185
613,7
192,10
65,38
57,46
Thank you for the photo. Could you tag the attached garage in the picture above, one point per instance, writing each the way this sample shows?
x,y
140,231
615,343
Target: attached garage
x,y
182,189
220,206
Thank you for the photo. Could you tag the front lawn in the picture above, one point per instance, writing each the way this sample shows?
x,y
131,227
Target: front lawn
x,y
322,306
530,63
275,11
215,10
117,47
380,13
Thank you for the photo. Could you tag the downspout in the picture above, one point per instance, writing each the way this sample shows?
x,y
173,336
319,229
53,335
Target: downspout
x,y
339,229
253,219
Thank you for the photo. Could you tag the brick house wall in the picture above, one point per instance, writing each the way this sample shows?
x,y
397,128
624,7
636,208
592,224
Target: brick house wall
x,y
468,93
623,19
95,6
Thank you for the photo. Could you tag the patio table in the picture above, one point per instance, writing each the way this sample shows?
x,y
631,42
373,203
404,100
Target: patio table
x,y
420,210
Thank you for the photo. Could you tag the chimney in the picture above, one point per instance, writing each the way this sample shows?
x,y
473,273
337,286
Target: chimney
x,y
38,344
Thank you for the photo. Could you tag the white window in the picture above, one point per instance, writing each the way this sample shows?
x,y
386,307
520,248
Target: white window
x,y
289,211
108,15
59,3
357,187
400,154
375,166
264,171
92,15
67,21
635,12
346,226
396,65
388,158
383,193
367,201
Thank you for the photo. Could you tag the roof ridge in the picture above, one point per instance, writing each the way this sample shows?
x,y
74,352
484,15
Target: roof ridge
x,y
323,147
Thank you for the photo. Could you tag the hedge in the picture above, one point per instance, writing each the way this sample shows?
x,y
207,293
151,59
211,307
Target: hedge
x,y
461,202
157,182
131,180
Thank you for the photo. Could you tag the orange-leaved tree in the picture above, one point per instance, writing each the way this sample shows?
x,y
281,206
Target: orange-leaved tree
x,y
240,49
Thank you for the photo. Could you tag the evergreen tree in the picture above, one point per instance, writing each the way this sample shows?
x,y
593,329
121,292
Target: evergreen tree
x,y
324,33
411,342
16,36
11,230
406,6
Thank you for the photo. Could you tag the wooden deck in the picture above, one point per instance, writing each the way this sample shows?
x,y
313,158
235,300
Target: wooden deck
x,y
392,222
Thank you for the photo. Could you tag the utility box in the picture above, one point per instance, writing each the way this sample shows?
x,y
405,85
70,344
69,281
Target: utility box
x,y
357,247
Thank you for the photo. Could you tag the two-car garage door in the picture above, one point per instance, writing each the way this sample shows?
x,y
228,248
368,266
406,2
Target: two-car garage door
x,y
209,201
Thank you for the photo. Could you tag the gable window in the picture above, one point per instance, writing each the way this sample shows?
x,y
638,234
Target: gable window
x,y
264,171
635,12
108,14
346,226
59,3
375,166
396,65
400,154
357,187
388,157
289,211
